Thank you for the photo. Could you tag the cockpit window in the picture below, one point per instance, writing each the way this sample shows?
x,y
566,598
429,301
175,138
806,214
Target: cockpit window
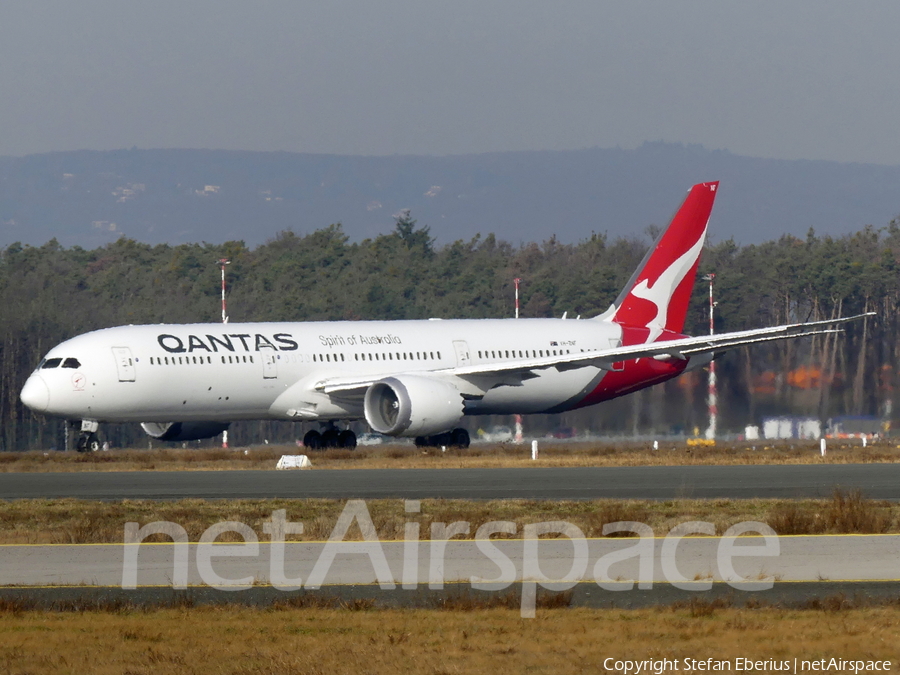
x,y
51,363
71,363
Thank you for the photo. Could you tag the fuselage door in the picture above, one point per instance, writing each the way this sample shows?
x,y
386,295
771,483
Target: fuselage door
x,y
462,353
270,365
124,363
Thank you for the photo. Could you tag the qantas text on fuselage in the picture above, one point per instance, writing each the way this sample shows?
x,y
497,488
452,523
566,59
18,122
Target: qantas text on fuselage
x,y
284,342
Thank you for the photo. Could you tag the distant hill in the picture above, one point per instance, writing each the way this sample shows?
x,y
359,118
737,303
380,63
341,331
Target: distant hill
x,y
89,198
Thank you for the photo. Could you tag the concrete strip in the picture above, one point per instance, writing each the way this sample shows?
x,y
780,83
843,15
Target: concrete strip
x,y
815,558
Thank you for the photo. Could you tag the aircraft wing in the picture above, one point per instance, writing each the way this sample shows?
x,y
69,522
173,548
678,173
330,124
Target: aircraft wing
x,y
677,349
605,358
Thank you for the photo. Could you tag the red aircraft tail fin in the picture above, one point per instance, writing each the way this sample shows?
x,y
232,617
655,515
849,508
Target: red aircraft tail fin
x,y
657,295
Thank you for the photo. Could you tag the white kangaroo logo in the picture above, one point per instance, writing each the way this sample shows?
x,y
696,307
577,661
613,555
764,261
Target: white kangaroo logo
x,y
660,293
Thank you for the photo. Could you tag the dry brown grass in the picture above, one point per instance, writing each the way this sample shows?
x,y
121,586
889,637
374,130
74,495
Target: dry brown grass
x,y
845,513
165,459
502,455
311,640
69,521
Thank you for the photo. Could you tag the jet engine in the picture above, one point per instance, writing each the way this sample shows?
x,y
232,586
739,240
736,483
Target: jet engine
x,y
183,431
412,406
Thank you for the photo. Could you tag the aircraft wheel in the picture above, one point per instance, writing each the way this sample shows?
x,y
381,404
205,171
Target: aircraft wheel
x,y
422,442
88,443
347,439
441,440
460,438
331,438
313,440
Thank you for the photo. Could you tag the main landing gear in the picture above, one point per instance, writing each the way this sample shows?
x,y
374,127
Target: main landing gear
x,y
88,441
458,438
330,437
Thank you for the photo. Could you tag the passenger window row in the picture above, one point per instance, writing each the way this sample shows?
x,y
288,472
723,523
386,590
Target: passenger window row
x,y
180,360
401,356
326,357
239,359
522,354
367,356
316,358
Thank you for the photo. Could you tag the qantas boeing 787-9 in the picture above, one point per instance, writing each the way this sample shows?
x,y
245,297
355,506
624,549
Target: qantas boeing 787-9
x,y
404,378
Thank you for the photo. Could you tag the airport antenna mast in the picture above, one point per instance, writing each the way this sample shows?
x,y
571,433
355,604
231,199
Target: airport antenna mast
x,y
222,263
712,394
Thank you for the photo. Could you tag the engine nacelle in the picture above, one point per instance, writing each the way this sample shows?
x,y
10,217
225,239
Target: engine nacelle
x,y
183,431
412,406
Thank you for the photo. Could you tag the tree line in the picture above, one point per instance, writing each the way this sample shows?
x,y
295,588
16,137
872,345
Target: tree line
x,y
50,293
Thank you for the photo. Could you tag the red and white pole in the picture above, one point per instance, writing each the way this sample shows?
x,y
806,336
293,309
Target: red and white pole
x,y
518,436
516,281
712,400
222,263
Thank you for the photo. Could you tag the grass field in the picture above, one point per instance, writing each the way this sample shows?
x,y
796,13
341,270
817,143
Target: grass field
x,y
68,521
317,640
503,455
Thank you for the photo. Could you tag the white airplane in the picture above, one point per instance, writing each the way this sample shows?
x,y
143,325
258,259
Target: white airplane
x,y
404,378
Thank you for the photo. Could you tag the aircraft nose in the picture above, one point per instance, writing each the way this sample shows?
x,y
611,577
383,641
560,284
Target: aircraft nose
x,y
36,394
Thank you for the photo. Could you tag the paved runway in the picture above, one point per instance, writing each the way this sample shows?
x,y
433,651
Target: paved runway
x,y
877,481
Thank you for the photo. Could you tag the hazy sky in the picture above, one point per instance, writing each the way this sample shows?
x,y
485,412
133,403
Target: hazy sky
x,y
809,79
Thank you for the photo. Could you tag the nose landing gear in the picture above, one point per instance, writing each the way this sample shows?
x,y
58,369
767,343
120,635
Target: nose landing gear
x,y
88,441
